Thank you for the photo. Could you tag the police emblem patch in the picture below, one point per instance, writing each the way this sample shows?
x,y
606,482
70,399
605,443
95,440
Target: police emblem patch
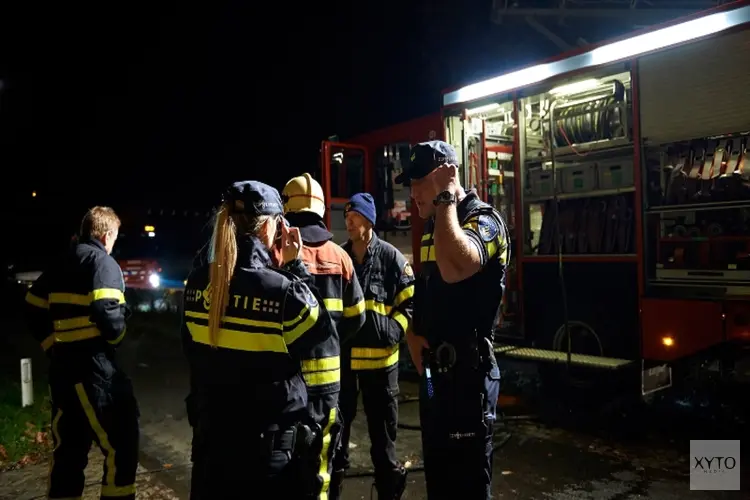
x,y
408,271
310,299
488,228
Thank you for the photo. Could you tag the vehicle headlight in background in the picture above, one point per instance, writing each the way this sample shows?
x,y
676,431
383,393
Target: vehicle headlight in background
x,y
154,280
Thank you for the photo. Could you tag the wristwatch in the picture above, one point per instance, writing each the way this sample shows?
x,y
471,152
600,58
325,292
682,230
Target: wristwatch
x,y
444,198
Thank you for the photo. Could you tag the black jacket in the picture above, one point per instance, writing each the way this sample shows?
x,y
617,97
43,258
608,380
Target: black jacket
x,y
387,281
77,311
273,334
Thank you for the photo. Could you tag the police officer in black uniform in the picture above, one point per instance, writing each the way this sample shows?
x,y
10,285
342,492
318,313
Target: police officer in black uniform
x,y
464,253
248,332
77,312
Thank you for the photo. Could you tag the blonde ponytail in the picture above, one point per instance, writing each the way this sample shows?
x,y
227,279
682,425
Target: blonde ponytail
x,y
224,249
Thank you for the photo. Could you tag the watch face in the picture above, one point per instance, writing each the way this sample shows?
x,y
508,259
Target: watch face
x,y
445,197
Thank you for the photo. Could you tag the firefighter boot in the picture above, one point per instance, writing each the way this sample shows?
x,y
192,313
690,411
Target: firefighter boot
x,y
392,487
336,486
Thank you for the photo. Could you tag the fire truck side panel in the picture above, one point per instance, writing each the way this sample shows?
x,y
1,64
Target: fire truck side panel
x,y
602,300
737,321
696,90
674,329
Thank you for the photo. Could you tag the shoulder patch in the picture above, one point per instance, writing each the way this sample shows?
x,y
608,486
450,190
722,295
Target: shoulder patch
x,y
489,228
408,271
310,299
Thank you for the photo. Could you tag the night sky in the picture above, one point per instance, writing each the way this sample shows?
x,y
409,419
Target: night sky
x,y
162,103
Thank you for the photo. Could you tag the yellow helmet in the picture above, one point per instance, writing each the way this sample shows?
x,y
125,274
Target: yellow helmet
x,y
303,194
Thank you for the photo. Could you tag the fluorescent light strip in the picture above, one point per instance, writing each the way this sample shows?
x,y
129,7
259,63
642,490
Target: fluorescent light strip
x,y
624,49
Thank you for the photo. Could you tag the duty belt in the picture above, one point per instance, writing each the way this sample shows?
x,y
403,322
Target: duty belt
x,y
445,357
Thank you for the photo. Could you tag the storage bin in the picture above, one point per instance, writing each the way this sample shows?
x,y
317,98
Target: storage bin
x,y
616,174
578,179
541,184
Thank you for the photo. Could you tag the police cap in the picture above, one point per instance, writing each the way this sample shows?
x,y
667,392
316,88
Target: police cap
x,y
426,157
253,198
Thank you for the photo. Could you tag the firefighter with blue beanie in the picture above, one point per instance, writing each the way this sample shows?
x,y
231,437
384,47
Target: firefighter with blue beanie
x,y
464,253
370,360
249,332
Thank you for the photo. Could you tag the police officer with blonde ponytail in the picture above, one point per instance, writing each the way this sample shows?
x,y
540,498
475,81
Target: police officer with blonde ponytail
x,y
248,330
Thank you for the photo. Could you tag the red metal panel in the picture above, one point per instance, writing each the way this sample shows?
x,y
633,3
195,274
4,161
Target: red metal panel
x,y
413,131
737,320
690,324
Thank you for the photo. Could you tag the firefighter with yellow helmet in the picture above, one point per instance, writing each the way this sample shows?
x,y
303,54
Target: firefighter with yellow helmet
x,y
334,277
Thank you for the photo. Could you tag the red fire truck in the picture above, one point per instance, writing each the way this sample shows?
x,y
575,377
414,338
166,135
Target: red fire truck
x,y
623,170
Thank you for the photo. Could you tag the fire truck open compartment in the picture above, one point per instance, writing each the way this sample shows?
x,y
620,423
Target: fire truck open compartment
x,y
621,170
697,197
623,173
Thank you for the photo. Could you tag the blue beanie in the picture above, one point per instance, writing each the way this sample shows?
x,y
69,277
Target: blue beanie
x,y
363,204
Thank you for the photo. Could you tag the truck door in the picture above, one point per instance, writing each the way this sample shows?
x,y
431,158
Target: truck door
x,y
345,170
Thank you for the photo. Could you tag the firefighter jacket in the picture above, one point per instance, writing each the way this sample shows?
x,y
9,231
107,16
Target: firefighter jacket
x,y
77,311
387,280
276,359
333,274
458,313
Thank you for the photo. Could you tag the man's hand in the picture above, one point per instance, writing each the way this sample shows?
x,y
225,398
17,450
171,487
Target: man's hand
x,y
291,243
416,344
445,178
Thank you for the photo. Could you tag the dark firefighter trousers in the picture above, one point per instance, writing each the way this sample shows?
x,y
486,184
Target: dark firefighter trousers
x,y
273,466
103,410
457,423
379,392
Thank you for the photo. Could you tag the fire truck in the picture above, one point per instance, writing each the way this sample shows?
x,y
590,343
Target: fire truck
x,y
623,171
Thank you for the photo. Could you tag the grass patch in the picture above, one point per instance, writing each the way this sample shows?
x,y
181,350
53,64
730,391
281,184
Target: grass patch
x,y
24,432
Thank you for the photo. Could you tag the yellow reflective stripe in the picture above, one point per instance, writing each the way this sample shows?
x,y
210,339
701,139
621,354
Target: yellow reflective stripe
x,y
70,323
75,299
109,451
48,342
119,337
236,320
373,352
372,363
333,305
302,328
76,335
324,465
354,310
36,301
377,307
427,237
108,293
238,340
427,254
321,371
405,294
322,378
117,491
319,364
78,299
472,223
401,320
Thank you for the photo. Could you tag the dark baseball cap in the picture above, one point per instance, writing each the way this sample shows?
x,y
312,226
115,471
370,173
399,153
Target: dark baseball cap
x,y
426,157
253,198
